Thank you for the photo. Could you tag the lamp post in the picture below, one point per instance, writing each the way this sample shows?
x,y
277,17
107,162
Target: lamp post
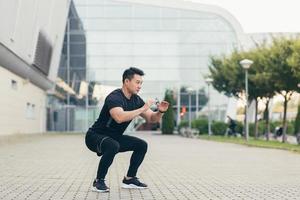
x,y
246,65
189,91
209,81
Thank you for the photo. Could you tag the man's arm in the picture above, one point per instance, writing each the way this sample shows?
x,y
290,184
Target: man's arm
x,y
119,115
154,117
151,117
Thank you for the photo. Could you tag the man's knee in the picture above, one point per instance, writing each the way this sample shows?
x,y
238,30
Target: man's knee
x,y
108,145
142,146
115,147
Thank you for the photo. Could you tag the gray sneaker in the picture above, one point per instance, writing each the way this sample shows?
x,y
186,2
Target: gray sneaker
x,y
100,186
133,183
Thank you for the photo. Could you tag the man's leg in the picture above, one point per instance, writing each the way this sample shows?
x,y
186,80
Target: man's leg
x,y
108,147
139,148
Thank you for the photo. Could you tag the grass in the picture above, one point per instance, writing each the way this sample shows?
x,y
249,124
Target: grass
x,y
254,143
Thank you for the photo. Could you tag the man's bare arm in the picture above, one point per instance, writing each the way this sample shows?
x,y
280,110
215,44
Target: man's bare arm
x,y
119,115
154,117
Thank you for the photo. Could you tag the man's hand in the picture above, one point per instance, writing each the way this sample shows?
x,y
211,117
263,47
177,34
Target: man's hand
x,y
151,116
148,104
163,106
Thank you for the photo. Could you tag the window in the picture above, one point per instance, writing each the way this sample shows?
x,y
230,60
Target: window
x,y
14,84
30,110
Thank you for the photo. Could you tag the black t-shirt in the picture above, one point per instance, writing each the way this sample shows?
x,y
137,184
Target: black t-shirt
x,y
105,124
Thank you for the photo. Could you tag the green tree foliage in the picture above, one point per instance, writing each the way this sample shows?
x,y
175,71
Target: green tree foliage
x,y
168,122
227,75
294,59
286,82
276,69
261,82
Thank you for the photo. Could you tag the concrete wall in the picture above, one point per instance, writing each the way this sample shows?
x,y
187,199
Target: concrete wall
x,y
22,106
23,86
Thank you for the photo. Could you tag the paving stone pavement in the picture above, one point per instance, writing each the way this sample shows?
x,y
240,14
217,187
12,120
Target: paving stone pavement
x,y
61,167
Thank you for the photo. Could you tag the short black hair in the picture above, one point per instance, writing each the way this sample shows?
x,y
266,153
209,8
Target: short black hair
x,y
130,72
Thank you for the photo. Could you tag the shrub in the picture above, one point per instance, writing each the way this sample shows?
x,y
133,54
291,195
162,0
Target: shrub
x,y
183,123
201,125
168,118
219,128
290,127
239,127
261,128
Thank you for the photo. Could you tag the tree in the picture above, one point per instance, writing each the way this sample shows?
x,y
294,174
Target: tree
x,y
227,75
297,125
282,71
294,59
276,69
262,84
168,122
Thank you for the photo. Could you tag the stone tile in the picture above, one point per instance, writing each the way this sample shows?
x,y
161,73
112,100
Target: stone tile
x,y
61,167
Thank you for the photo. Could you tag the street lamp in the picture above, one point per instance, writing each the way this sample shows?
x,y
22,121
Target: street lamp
x,y
246,65
189,91
209,81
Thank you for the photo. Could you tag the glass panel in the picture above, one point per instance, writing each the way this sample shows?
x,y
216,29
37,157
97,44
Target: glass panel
x,y
96,24
117,11
109,37
78,62
141,11
196,14
77,49
170,13
170,24
146,24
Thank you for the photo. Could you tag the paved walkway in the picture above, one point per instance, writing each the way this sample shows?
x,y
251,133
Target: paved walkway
x,y
60,167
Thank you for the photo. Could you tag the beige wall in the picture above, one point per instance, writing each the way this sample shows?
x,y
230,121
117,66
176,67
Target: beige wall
x,y
23,109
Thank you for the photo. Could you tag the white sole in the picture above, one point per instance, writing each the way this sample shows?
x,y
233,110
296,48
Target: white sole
x,y
94,189
132,186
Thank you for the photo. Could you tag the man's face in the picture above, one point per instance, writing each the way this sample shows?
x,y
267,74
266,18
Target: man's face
x,y
135,84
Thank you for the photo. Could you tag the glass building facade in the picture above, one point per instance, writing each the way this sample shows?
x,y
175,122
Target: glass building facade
x,y
73,71
63,111
172,46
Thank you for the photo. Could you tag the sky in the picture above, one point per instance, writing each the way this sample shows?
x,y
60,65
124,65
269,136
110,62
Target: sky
x,y
262,15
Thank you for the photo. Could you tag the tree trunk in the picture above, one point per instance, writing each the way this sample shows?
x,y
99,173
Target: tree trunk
x,y
267,120
284,118
256,123
297,125
244,126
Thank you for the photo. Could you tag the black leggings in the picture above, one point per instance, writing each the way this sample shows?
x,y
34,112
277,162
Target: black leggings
x,y
109,147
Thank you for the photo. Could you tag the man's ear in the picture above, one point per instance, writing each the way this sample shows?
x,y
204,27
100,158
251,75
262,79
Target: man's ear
x,y
127,80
